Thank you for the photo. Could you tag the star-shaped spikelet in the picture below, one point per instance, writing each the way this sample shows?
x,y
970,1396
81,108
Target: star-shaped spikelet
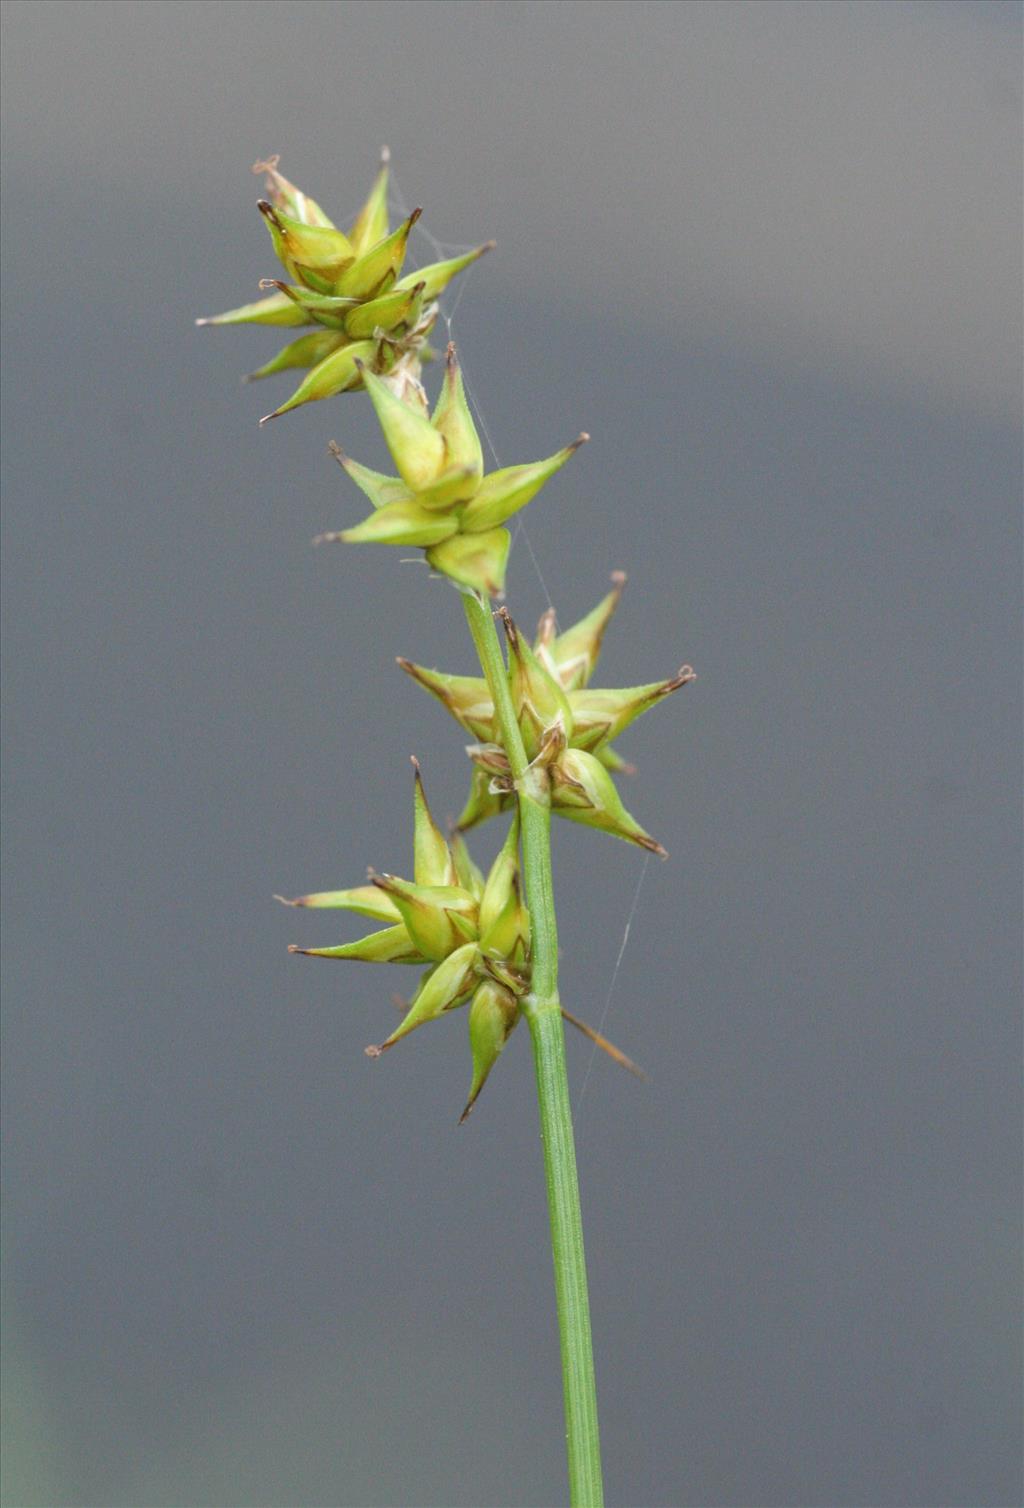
x,y
441,500
568,726
348,288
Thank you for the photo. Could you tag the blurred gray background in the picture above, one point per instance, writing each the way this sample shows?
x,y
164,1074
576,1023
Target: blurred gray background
x,y
768,254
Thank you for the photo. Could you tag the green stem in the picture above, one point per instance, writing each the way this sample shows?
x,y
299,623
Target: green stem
x,y
542,1009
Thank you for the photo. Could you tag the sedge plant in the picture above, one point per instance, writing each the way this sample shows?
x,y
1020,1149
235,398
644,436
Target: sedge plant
x,y
542,736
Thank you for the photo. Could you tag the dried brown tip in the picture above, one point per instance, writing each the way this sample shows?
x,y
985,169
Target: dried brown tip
x,y
270,166
266,283
330,538
268,211
511,632
683,676
613,1052
413,218
418,777
373,1052
299,900
294,948
267,417
464,1117
619,579
652,845
581,439
417,672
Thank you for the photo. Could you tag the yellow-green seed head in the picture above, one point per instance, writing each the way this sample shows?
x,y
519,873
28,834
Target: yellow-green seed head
x,y
348,286
567,726
469,934
441,500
